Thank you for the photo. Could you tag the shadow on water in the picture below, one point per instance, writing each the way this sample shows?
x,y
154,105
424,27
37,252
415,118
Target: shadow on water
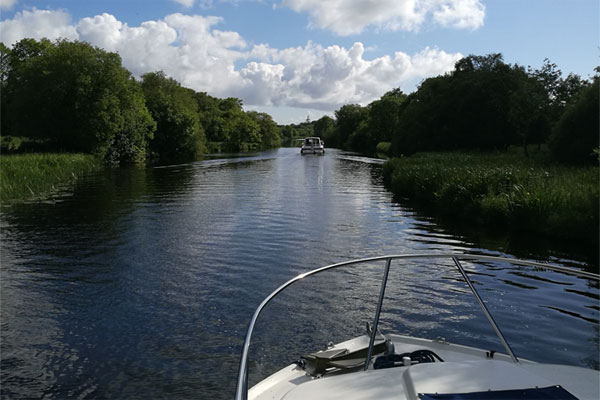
x,y
519,244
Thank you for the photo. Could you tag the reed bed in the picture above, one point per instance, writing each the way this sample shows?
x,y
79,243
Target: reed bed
x,y
503,192
30,176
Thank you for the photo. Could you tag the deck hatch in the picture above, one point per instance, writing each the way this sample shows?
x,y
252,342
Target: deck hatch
x,y
547,393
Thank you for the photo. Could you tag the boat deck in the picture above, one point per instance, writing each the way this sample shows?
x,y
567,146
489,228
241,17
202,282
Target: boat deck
x,y
464,370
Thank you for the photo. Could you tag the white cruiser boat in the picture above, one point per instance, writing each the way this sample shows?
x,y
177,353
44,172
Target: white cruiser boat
x,y
312,145
393,366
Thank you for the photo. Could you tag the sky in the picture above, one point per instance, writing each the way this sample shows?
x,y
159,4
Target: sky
x,y
306,58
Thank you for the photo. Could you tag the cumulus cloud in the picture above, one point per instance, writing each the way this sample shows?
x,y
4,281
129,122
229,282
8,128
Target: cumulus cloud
x,y
37,24
190,49
325,78
7,4
346,17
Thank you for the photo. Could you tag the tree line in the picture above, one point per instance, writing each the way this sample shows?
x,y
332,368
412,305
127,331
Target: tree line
x,y
69,96
483,104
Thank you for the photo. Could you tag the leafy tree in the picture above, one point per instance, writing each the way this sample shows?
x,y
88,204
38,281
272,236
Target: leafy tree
x,y
575,137
269,132
466,109
288,132
360,139
384,119
210,116
245,130
324,128
5,55
427,119
527,110
348,117
77,98
179,135
559,91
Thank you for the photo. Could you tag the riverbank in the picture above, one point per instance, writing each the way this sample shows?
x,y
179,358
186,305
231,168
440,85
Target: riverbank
x,y
29,176
503,192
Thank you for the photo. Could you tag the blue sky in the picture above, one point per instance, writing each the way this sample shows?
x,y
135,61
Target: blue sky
x,y
293,58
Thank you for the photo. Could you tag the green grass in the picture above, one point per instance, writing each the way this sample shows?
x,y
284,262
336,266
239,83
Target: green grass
x,y
502,192
29,176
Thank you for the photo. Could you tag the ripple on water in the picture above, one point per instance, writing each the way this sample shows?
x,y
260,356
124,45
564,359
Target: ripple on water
x,y
141,283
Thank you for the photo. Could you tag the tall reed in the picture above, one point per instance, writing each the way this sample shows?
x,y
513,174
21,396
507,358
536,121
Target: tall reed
x,y
27,176
502,191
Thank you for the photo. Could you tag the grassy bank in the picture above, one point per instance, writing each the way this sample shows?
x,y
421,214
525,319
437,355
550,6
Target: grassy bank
x,y
27,176
501,192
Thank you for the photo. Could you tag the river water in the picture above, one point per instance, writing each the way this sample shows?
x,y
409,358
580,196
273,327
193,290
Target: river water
x,y
140,283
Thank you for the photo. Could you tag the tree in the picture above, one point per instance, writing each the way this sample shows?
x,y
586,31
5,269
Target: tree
x,y
76,97
466,109
559,91
348,117
575,137
384,117
324,128
270,133
179,135
246,130
5,55
527,110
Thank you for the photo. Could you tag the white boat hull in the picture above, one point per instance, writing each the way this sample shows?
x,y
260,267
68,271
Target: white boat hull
x,y
464,370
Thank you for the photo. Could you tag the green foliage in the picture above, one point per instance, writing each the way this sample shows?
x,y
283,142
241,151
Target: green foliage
x,y
268,131
348,118
229,128
290,133
576,135
501,191
179,135
467,109
30,176
72,97
383,149
324,128
77,97
384,116
527,113
559,92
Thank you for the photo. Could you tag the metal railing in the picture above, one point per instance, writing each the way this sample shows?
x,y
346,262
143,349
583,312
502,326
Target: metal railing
x,y
242,381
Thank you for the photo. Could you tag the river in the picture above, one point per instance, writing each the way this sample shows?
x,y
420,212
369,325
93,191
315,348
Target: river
x,y
140,283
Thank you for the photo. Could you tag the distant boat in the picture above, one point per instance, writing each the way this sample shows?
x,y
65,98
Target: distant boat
x,y
312,145
394,366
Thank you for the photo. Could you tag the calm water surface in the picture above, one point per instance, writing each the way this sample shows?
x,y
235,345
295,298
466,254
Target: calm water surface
x,y
140,283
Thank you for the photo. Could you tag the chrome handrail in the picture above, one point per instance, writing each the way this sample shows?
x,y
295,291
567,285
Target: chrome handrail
x,y
242,381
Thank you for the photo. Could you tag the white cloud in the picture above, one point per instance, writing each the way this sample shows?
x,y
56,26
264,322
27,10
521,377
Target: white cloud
x,y
184,47
190,49
347,17
325,78
466,14
7,4
185,3
37,24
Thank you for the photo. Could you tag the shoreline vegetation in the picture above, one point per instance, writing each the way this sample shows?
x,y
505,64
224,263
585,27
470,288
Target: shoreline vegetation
x,y
36,176
501,192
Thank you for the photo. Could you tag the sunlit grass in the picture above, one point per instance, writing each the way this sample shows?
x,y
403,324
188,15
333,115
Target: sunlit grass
x,y
504,191
27,176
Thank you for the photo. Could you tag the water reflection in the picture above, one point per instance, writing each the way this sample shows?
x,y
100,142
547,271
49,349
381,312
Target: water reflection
x,y
139,283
